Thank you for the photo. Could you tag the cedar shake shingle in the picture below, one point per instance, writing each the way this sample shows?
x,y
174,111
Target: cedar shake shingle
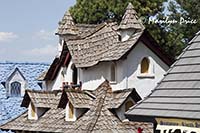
x,y
98,118
130,20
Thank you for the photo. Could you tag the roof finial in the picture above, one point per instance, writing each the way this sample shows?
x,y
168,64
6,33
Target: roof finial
x,y
130,6
67,26
130,19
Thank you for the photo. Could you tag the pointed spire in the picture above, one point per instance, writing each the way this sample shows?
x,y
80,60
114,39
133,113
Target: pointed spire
x,y
66,25
130,19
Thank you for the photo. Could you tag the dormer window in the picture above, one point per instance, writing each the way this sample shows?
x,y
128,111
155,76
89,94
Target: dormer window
x,y
15,84
15,89
113,72
146,68
70,112
145,65
128,105
32,111
74,74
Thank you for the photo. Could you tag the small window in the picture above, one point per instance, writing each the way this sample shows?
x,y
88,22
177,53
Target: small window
x,y
145,65
15,89
128,105
74,74
32,110
113,74
177,131
71,111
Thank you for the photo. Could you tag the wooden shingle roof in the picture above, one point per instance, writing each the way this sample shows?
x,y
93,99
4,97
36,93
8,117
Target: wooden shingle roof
x,y
79,99
67,26
115,99
52,121
130,19
103,45
92,44
98,118
41,99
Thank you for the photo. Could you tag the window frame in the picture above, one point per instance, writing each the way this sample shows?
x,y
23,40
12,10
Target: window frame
x,y
127,106
150,73
145,66
33,111
113,73
74,74
67,112
13,87
71,111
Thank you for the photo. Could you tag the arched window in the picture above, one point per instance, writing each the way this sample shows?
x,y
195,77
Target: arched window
x,y
113,74
15,89
145,65
74,74
128,105
71,111
32,110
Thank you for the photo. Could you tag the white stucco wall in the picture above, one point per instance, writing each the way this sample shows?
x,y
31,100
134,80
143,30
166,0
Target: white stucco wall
x,y
64,75
16,76
56,84
127,72
92,77
158,68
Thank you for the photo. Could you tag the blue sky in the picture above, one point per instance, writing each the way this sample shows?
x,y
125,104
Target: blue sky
x,y
27,29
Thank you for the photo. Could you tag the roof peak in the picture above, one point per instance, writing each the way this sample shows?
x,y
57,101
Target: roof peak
x,y
67,24
130,6
130,20
67,15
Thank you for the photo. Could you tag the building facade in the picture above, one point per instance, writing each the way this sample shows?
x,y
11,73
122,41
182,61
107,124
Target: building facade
x,y
125,54
174,105
101,71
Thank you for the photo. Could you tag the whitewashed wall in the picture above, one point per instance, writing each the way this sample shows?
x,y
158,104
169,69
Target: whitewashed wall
x,y
92,77
127,72
64,75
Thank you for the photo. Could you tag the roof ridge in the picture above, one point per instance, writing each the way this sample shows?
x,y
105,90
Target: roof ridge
x,y
43,91
98,108
24,63
124,90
